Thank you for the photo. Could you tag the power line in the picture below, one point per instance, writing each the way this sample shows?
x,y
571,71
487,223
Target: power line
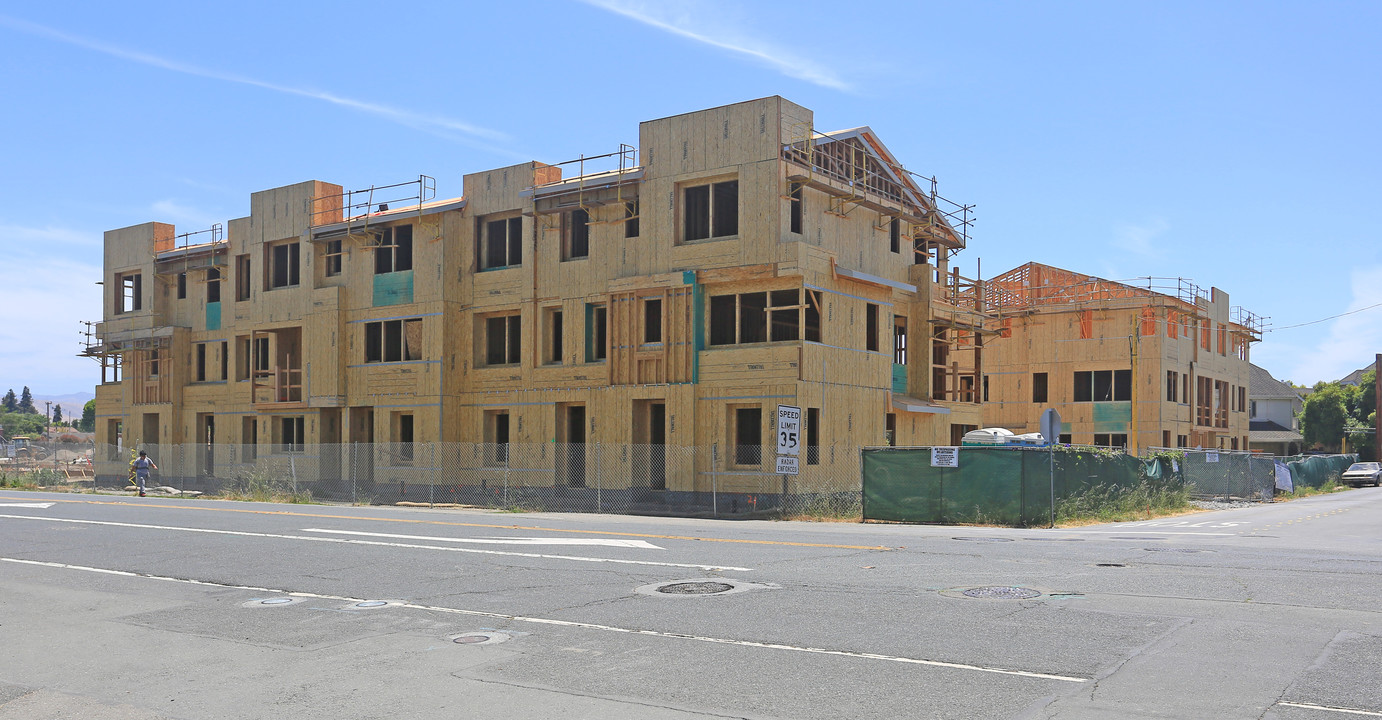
x,y
1315,322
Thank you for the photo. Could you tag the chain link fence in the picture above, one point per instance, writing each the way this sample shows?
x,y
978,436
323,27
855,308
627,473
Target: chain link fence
x,y
1236,473
580,477
46,461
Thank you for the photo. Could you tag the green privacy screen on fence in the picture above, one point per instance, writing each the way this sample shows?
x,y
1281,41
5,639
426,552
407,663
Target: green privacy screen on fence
x,y
992,485
999,485
1013,486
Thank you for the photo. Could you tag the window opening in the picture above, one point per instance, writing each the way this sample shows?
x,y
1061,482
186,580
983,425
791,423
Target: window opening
x,y
394,253
794,192
333,258
871,327
785,315
284,265
631,219
652,320
242,278
405,437
503,342
131,293
748,436
555,335
575,234
293,434
1103,385
502,245
596,333
393,340
711,211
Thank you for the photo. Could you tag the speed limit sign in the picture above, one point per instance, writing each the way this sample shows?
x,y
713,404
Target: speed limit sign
x,y
788,430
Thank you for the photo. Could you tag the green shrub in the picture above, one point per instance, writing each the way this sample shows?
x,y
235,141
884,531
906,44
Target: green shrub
x,y
1109,503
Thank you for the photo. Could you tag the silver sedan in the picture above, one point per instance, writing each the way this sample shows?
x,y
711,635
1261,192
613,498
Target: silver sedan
x,y
1363,473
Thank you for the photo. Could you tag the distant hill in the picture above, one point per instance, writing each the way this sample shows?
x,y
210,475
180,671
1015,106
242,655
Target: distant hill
x,y
71,404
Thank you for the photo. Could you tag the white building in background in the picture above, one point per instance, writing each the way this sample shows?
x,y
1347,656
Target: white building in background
x,y
1273,414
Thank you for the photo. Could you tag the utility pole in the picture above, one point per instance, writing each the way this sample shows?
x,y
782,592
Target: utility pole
x,y
1377,409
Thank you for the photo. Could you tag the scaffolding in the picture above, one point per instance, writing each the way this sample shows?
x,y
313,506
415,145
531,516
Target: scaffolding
x,y
854,170
357,208
206,256
589,188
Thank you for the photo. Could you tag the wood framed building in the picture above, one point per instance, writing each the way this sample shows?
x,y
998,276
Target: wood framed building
x,y
736,260
1125,366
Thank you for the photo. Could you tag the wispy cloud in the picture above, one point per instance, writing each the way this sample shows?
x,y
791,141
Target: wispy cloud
x,y
1353,340
434,124
24,239
183,216
710,28
1139,239
52,294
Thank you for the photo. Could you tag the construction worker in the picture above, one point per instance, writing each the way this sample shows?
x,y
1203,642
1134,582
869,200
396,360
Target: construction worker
x,y
139,468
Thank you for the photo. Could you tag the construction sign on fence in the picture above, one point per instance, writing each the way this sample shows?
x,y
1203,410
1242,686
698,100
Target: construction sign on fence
x,y
945,456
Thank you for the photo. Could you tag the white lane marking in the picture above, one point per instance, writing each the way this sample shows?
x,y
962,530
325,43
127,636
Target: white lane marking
x,y
500,540
28,505
581,625
1347,711
276,536
1138,532
1181,523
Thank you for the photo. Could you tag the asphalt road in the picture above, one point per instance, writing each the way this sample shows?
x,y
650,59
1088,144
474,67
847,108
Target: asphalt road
x,y
118,607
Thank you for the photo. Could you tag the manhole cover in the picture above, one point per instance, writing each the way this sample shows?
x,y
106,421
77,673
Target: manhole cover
x,y
983,539
272,602
1002,592
480,638
695,588
371,604
1109,565
1174,550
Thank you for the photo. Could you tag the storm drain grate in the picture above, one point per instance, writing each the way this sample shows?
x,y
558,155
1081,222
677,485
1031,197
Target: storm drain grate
x,y
1109,565
1002,592
695,588
983,539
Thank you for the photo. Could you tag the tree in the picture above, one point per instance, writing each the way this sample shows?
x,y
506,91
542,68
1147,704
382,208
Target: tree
x,y
26,402
21,424
57,414
1367,398
10,402
1322,419
88,421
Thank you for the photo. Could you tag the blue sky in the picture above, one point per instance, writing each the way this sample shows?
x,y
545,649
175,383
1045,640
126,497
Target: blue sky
x,y
1233,144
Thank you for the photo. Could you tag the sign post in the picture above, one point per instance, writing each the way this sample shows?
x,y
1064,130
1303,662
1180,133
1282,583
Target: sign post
x,y
788,443
1050,432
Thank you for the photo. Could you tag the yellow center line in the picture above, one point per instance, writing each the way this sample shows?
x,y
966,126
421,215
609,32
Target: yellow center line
x,y
464,524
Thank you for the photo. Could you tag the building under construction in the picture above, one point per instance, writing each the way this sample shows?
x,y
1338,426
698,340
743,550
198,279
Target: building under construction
x,y
670,295
1164,365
